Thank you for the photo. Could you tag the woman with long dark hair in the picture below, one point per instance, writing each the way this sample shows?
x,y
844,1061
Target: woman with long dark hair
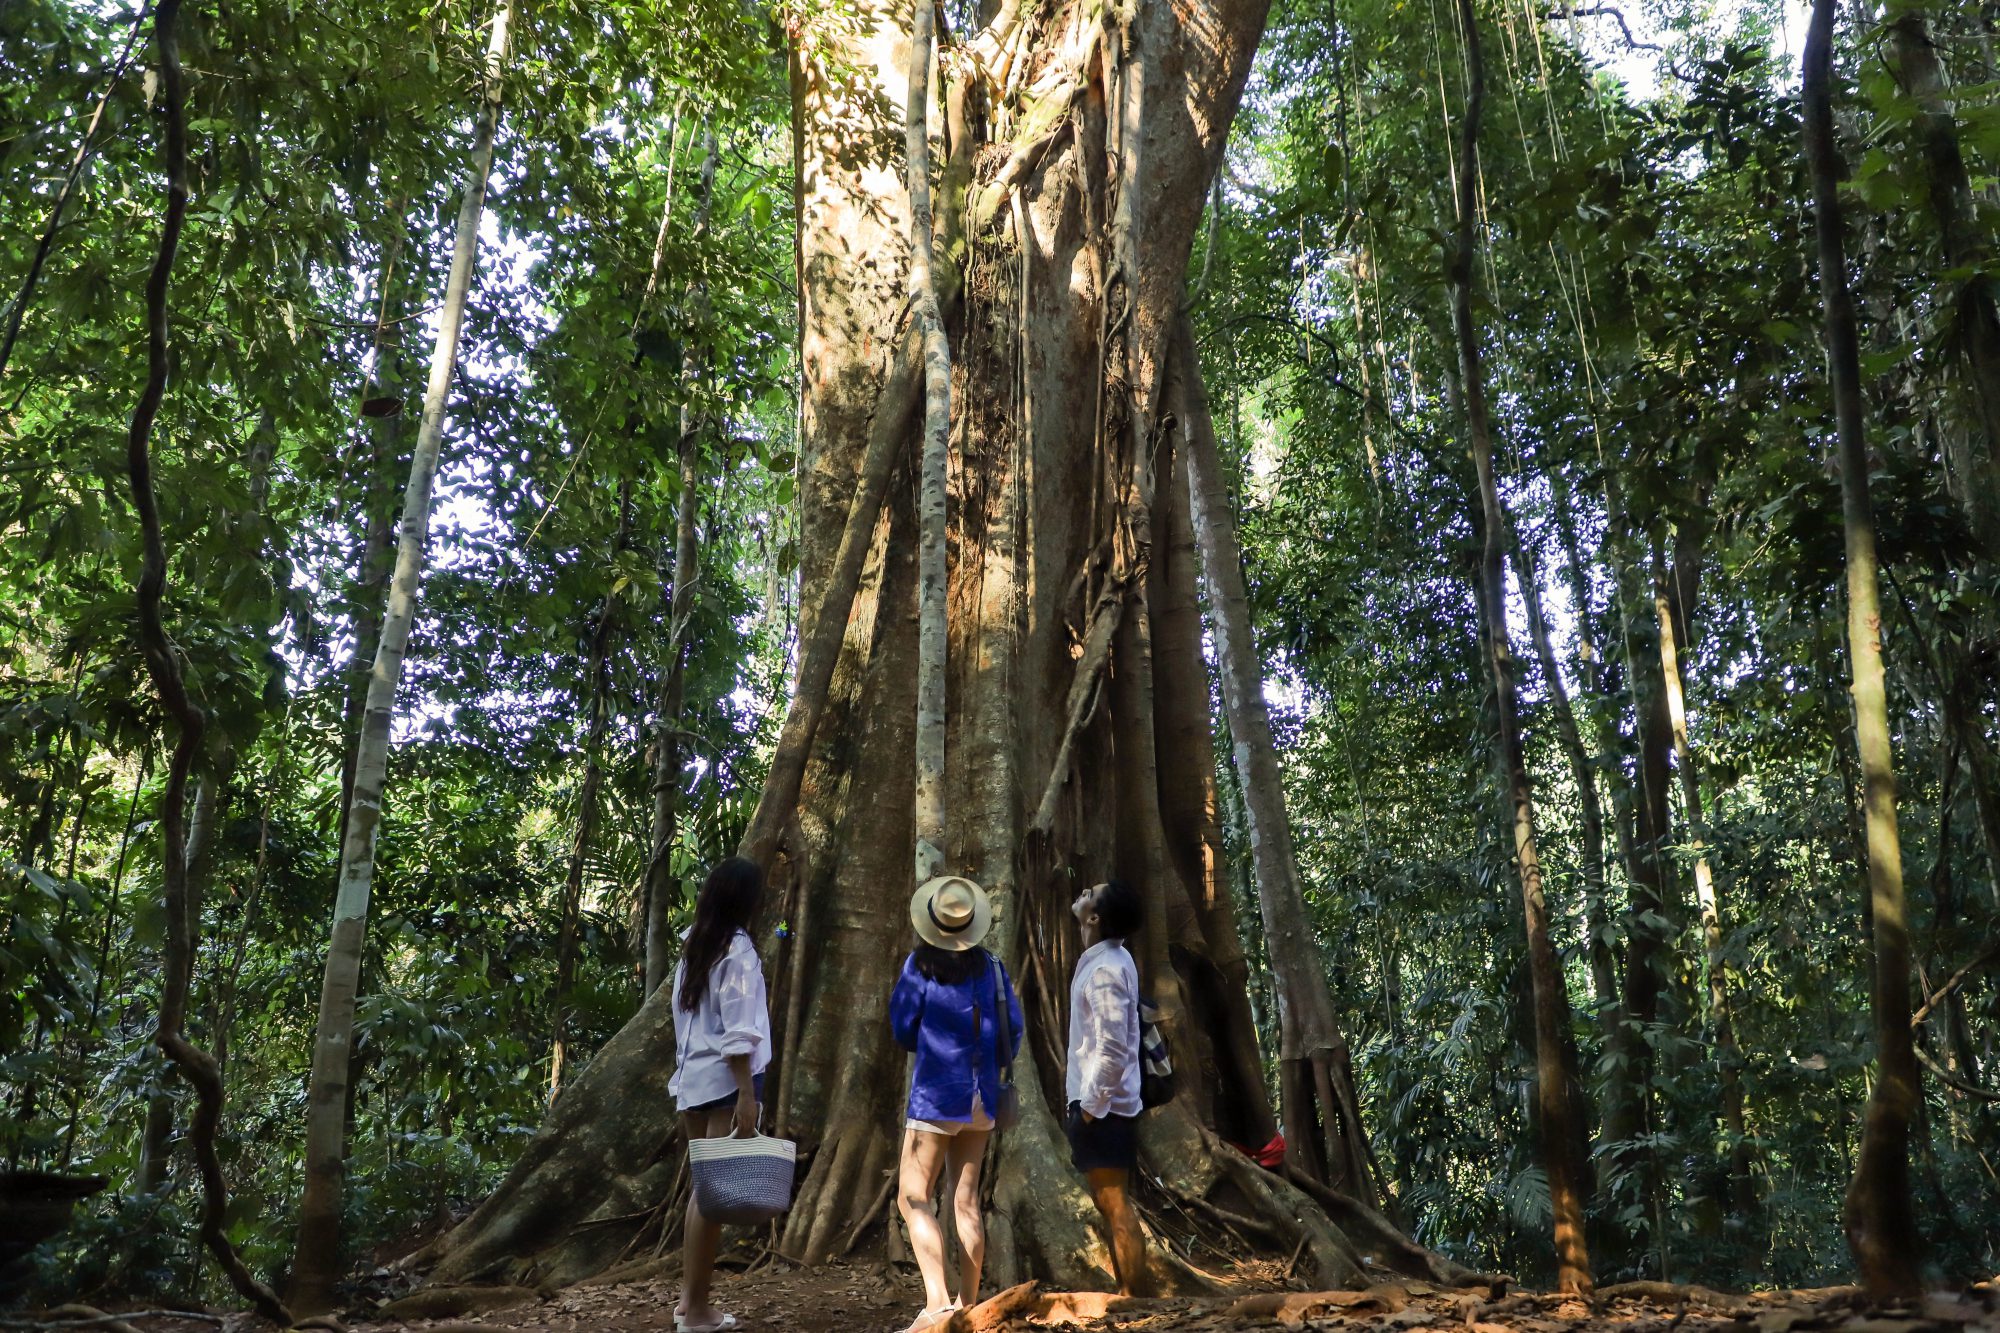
x,y
722,1041
955,1008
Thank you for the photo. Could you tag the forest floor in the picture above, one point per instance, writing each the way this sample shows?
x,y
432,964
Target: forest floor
x,y
879,1298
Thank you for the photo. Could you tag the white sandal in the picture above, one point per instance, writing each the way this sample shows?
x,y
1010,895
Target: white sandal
x,y
681,1325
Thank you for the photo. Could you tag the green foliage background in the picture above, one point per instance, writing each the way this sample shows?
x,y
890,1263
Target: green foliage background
x,y
1652,322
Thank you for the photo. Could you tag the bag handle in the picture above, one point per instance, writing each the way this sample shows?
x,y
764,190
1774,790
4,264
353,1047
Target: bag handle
x,y
1002,1016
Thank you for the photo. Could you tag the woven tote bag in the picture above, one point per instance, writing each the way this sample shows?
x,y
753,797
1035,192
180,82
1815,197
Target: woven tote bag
x,y
742,1180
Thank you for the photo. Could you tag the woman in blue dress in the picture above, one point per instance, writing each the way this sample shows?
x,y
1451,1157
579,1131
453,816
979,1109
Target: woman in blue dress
x,y
948,1010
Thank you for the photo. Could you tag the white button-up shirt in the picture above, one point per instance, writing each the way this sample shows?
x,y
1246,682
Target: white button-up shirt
x,y
1103,1072
734,1019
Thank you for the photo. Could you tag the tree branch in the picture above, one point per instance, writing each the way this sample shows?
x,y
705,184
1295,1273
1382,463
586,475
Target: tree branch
x,y
76,166
1602,11
1942,993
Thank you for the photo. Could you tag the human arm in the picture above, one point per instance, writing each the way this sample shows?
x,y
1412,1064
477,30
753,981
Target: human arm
x,y
739,999
743,1119
1113,1050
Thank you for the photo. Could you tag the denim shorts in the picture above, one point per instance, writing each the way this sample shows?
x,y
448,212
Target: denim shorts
x,y
728,1099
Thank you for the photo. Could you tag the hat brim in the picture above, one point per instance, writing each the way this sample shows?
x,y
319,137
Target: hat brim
x,y
955,941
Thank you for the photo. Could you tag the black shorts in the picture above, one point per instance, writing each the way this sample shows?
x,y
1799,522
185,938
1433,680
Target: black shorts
x,y
1109,1141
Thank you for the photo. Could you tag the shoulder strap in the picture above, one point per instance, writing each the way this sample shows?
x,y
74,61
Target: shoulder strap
x,y
1001,1015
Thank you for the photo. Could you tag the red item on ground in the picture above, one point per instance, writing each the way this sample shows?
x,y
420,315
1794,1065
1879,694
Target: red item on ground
x,y
1272,1155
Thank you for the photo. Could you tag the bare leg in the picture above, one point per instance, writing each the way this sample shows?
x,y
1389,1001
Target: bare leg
x,y
923,1157
701,1237
1128,1243
966,1152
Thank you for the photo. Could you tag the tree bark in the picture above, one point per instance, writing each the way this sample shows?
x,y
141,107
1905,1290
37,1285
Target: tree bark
x,y
659,896
1668,608
316,1260
1327,1134
931,572
1215,970
823,633
376,553
1590,807
163,667
1881,1226
1558,1128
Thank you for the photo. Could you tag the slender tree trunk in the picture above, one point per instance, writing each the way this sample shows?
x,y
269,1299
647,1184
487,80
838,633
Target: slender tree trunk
x,y
1633,1116
589,797
231,973
1881,1226
156,1142
316,1261
374,559
1649,949
1217,972
659,894
1945,909
156,1138
163,666
1963,721
1556,1112
1708,900
931,570
1972,449
1312,1047
1590,807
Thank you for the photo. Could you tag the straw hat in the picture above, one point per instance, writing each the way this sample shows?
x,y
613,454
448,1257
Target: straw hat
x,y
951,912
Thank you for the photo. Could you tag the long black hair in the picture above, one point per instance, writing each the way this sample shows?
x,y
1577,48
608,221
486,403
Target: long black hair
x,y
950,967
727,904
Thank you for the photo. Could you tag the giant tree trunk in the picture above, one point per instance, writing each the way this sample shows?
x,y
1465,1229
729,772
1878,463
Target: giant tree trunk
x,y
1554,1104
1065,291
1316,1084
1881,1226
315,1262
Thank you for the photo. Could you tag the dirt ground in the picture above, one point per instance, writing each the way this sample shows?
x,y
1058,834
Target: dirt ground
x,y
877,1298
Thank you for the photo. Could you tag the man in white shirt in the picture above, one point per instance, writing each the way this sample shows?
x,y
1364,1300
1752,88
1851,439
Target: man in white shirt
x,y
1102,1081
